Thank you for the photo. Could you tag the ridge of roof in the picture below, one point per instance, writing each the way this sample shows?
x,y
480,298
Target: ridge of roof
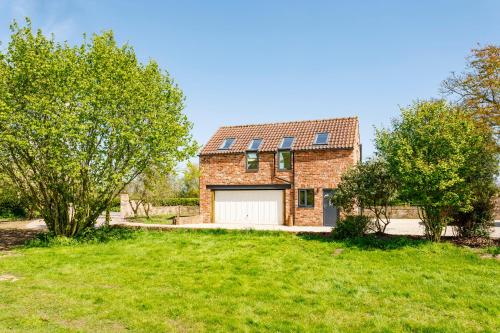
x,y
290,122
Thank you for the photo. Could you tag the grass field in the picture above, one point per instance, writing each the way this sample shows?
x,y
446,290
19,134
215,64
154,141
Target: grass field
x,y
208,281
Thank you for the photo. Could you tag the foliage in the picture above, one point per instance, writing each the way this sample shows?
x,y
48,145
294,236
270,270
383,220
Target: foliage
x,y
479,87
87,236
436,151
11,203
78,123
191,181
173,281
179,202
351,226
368,185
478,221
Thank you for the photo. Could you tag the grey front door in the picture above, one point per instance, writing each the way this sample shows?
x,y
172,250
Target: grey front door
x,y
330,212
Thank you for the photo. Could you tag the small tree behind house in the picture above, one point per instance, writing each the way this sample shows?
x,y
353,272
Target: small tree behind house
x,y
478,88
368,185
151,188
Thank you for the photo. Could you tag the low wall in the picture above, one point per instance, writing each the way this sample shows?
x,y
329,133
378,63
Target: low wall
x,y
399,212
182,211
411,212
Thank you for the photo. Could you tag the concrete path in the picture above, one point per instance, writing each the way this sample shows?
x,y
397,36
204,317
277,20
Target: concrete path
x,y
396,227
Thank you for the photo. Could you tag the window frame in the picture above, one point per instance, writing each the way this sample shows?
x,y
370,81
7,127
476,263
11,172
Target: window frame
x,y
279,159
317,136
305,190
251,144
221,147
246,161
283,141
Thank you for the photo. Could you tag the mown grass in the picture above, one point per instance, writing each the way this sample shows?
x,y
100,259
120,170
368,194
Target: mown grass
x,y
207,281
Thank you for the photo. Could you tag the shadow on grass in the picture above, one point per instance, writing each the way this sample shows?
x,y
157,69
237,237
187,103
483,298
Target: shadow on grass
x,y
371,241
89,236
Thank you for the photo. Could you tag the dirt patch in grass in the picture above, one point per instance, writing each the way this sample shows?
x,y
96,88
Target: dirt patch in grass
x,y
8,277
476,242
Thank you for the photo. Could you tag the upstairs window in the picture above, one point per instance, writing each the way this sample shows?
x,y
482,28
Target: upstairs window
x,y
321,139
252,161
255,144
227,143
284,160
286,143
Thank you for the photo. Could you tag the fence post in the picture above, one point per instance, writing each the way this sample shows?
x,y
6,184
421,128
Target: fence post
x,y
124,205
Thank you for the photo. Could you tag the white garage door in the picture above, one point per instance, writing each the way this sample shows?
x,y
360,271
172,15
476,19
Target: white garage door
x,y
250,206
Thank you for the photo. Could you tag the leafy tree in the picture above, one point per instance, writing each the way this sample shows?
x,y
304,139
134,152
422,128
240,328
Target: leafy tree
x,y
12,202
191,181
435,150
151,188
78,123
479,87
368,185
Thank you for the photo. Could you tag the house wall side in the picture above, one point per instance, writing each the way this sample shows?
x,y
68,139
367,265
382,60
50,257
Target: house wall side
x,y
319,170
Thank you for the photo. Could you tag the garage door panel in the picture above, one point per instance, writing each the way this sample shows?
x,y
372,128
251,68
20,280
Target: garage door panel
x,y
252,207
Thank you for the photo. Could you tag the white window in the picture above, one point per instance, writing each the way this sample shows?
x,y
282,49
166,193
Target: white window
x,y
227,143
321,139
287,142
255,144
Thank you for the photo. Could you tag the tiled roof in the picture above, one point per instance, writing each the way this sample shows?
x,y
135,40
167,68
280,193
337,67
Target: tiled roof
x,y
342,134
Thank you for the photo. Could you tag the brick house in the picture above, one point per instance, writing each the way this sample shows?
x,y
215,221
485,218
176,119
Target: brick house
x,y
280,173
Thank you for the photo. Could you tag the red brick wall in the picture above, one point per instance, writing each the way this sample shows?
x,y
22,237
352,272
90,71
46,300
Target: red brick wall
x,y
313,169
230,169
318,170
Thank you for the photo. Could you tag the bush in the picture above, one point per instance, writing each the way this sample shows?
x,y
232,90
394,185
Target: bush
x,y
178,202
476,223
351,226
11,202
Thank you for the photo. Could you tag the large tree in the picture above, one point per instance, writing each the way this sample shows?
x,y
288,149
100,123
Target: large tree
x,y
478,88
78,123
436,150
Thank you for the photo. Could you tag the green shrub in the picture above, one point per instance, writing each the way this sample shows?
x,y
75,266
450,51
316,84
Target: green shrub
x,y
478,222
178,202
351,226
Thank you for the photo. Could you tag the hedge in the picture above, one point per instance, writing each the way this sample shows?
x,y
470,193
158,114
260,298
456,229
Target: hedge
x,y
178,202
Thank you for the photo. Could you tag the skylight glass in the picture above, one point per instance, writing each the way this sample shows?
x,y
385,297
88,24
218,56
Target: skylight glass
x,y
287,142
255,144
227,143
321,139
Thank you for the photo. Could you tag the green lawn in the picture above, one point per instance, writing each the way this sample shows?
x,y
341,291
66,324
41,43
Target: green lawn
x,y
157,219
210,281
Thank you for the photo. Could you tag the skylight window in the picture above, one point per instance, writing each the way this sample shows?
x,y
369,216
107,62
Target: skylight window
x,y
321,139
255,144
227,143
287,142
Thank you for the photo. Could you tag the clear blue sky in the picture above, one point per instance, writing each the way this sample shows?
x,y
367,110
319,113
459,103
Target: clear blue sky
x,y
266,61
